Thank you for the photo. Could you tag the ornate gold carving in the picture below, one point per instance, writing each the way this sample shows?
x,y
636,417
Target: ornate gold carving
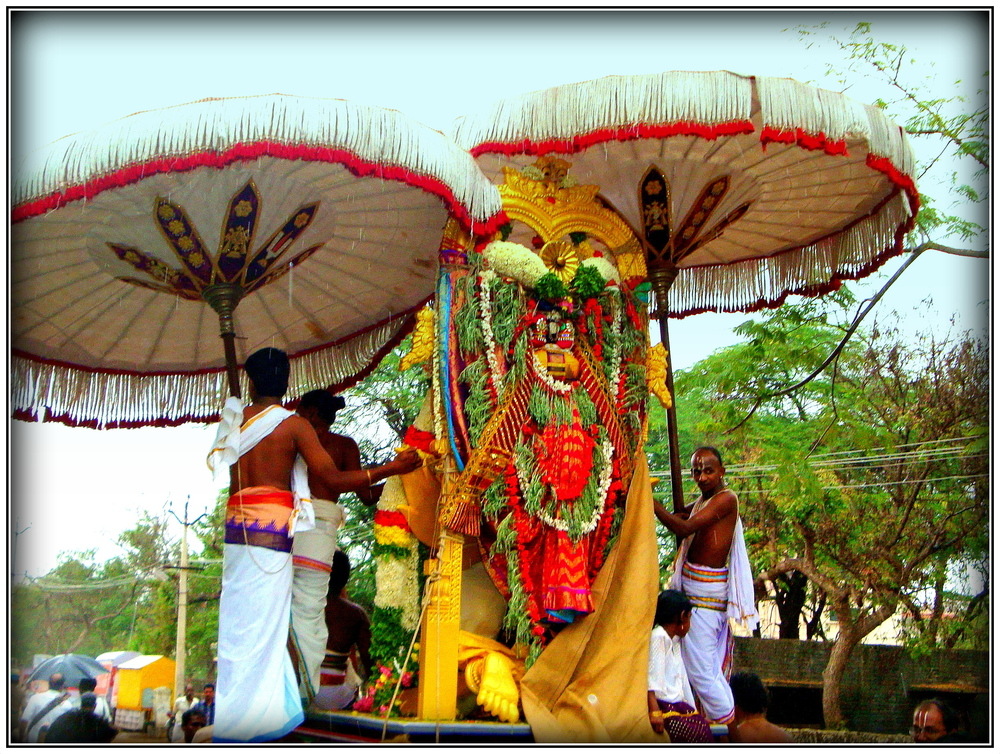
x,y
553,211
656,374
562,259
454,237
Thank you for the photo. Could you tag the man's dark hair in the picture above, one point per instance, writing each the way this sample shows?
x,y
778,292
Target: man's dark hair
x,y
325,403
340,571
670,606
188,714
209,686
709,449
88,700
749,693
949,716
87,684
56,681
268,370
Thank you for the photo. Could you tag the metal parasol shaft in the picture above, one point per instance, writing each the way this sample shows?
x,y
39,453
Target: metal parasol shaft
x,y
661,277
223,298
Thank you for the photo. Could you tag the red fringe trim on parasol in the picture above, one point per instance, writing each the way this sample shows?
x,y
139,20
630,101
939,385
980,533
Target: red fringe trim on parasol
x,y
769,135
628,133
242,152
905,182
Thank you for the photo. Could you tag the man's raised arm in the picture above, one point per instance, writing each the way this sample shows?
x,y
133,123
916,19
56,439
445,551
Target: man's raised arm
x,y
721,505
321,464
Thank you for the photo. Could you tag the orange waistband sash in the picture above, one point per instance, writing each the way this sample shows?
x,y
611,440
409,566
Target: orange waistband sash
x,y
260,516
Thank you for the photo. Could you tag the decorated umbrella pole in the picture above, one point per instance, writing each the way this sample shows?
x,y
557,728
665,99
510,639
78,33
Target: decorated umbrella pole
x,y
742,190
319,219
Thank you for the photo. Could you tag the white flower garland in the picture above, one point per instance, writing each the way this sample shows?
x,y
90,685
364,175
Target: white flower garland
x,y
487,316
512,260
396,578
543,375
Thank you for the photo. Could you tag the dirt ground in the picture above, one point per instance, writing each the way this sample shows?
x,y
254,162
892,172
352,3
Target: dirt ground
x,y
129,737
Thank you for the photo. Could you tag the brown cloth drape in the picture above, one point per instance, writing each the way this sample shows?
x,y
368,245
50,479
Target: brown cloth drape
x,y
589,684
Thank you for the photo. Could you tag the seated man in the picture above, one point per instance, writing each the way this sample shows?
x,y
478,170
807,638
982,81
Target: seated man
x,y
349,629
751,725
670,700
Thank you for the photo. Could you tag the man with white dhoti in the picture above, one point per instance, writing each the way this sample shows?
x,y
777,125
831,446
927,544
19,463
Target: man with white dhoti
x,y
713,570
269,451
312,551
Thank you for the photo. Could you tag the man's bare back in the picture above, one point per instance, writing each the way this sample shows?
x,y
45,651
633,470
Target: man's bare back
x,y
319,408
346,455
270,462
349,627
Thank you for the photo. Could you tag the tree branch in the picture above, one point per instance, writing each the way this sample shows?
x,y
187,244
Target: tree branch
x,y
839,347
935,246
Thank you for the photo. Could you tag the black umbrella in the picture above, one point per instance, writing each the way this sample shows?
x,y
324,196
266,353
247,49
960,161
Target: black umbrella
x,y
72,666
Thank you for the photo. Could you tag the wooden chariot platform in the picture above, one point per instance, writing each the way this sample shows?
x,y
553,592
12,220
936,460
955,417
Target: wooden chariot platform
x,y
358,727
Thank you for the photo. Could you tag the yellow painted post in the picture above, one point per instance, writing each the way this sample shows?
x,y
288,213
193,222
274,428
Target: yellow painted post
x,y
438,688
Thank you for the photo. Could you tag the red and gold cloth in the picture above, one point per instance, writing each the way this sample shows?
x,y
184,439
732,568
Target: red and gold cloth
x,y
260,516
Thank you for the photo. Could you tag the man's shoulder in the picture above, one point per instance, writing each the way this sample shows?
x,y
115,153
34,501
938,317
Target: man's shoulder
x,y
339,441
724,499
348,609
42,697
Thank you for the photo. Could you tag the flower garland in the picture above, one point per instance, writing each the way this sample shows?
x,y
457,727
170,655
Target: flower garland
x,y
514,261
543,376
397,596
494,374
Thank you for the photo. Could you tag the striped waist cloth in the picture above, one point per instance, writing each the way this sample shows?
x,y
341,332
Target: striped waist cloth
x,y
705,586
260,516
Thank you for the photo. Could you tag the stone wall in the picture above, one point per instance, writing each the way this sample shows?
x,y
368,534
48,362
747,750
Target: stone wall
x,y
881,684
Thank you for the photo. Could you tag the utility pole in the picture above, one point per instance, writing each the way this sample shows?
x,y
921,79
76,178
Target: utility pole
x,y
13,549
180,649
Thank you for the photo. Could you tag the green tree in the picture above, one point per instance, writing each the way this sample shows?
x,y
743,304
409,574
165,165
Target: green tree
x,y
378,411
869,481
89,607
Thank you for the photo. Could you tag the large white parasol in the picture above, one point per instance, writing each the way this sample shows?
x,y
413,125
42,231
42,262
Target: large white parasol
x,y
308,225
741,190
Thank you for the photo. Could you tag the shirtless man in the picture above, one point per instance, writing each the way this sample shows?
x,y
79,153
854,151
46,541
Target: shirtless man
x,y
713,571
751,725
313,550
319,408
349,629
271,460
258,699
715,521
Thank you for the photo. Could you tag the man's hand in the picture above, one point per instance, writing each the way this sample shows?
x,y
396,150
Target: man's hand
x,y
406,461
656,721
